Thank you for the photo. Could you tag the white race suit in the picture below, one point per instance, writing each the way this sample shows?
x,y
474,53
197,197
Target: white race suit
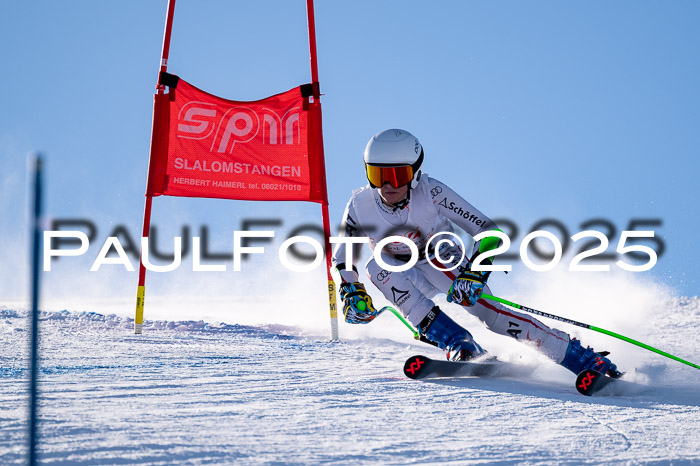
x,y
432,208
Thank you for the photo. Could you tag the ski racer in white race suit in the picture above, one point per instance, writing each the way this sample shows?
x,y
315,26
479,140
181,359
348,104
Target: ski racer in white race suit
x,y
401,200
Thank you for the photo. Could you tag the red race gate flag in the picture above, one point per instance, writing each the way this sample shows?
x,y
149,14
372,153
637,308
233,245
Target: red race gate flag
x,y
264,150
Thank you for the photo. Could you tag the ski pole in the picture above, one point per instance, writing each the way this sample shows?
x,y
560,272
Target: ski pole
x,y
590,327
416,335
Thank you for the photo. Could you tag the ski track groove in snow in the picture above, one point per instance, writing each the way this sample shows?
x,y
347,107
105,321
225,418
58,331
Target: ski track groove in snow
x,y
628,443
196,393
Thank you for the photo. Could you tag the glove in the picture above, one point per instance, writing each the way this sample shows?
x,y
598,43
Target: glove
x,y
467,287
357,304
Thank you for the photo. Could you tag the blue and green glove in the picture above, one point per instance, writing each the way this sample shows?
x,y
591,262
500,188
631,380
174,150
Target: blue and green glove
x,y
357,304
467,287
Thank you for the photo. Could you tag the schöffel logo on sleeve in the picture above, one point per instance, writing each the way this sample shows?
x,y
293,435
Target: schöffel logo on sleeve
x,y
461,212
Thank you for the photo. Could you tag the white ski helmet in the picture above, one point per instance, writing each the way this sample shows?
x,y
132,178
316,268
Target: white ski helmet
x,y
393,156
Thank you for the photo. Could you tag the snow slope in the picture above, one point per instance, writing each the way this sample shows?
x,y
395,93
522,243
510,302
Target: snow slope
x,y
188,391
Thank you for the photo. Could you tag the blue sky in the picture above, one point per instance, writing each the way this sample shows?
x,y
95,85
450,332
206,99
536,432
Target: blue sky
x,y
531,110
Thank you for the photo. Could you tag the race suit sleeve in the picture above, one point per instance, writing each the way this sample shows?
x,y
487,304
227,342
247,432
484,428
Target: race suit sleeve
x,y
349,228
460,212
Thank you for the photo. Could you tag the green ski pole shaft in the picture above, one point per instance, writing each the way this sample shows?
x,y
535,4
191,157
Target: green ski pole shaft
x,y
416,335
590,327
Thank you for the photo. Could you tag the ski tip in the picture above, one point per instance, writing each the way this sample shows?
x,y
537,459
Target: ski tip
x,y
589,381
414,366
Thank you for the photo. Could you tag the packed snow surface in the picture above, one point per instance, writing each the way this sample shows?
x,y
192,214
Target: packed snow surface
x,y
200,393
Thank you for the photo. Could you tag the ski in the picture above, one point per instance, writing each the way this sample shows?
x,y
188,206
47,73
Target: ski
x,y
422,367
590,382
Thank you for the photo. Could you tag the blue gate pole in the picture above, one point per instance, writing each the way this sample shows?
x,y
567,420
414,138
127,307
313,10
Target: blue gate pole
x,y
36,253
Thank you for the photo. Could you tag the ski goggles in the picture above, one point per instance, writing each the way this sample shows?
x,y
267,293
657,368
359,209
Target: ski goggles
x,y
395,175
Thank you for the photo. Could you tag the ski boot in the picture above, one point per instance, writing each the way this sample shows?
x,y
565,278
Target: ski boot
x,y
578,359
439,329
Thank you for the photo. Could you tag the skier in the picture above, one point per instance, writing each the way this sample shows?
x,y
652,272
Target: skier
x,y
402,200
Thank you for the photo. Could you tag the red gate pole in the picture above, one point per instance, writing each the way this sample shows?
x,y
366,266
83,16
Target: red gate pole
x,y
324,205
141,290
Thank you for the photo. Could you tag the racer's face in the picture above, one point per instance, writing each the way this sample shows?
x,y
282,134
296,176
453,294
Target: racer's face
x,y
393,195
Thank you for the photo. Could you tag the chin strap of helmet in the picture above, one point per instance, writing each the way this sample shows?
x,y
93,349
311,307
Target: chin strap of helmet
x,y
402,204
